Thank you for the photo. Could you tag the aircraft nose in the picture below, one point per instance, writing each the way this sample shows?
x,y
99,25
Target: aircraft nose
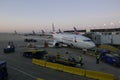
x,y
91,45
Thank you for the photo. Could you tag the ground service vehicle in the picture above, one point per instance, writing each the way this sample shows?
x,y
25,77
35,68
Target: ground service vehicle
x,y
39,54
113,59
61,60
10,48
3,70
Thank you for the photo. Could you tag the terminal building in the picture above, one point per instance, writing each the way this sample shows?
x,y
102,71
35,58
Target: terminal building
x,y
72,31
102,36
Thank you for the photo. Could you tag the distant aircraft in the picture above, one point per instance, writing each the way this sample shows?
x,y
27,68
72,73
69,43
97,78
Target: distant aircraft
x,y
42,33
77,41
45,33
30,34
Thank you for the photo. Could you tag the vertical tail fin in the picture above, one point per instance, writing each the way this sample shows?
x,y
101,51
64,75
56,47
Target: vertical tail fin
x,y
33,32
43,32
75,31
60,31
53,29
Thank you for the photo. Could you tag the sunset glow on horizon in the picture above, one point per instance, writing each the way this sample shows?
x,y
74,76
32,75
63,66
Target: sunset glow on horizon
x,y
28,15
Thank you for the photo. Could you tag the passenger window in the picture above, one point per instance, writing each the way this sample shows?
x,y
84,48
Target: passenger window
x,y
86,40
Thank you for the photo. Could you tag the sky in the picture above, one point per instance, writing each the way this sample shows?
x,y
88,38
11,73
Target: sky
x,y
28,15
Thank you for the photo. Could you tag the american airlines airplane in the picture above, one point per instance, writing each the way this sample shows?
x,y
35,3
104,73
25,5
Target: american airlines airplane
x,y
73,40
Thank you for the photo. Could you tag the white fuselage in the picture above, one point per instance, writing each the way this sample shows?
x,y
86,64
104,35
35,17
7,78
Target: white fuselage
x,y
78,41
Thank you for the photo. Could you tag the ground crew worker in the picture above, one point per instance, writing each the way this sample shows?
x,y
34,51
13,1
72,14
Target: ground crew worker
x,y
96,52
97,58
80,60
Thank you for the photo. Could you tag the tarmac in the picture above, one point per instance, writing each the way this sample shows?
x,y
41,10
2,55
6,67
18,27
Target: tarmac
x,y
21,68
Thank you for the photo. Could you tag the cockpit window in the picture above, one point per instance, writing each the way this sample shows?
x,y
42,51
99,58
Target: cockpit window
x,y
87,40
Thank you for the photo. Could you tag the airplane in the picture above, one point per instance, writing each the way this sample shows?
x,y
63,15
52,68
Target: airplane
x,y
73,40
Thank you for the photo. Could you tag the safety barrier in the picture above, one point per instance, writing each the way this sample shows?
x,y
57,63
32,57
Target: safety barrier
x,y
118,77
35,61
73,70
68,69
39,62
54,66
92,74
39,79
79,71
99,75
59,67
51,65
106,76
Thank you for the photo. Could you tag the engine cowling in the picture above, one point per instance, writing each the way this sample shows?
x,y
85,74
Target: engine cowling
x,y
55,44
